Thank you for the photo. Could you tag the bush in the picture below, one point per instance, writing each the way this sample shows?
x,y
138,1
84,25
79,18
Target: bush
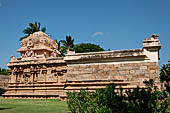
x,y
108,101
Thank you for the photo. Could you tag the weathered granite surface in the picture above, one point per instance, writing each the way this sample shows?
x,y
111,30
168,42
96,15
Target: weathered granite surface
x,y
3,81
41,73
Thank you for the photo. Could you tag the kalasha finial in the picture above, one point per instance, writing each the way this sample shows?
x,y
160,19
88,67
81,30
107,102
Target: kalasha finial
x,y
155,36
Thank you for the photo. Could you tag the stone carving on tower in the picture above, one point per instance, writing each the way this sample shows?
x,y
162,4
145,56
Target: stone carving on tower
x,y
38,45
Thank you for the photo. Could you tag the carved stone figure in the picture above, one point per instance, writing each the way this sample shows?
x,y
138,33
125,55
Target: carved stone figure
x,y
23,44
53,45
30,44
54,53
29,53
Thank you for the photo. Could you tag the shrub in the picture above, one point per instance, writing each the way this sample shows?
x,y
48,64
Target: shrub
x,y
107,100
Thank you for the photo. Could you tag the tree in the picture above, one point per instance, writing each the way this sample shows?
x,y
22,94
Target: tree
x,y
3,71
33,27
68,44
165,75
87,47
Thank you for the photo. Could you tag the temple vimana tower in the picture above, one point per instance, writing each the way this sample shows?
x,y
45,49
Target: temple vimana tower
x,y
40,72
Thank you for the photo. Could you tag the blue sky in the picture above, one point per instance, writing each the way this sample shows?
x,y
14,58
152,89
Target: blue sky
x,y
112,24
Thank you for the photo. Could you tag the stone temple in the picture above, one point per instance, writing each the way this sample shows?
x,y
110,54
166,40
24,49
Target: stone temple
x,y
41,73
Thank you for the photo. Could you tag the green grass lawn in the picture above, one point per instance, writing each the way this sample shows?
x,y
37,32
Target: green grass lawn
x,y
32,106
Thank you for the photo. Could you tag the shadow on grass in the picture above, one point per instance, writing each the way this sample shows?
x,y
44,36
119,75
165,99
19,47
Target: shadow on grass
x,y
6,108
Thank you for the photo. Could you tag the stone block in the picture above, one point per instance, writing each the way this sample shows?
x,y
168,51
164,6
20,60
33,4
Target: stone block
x,y
132,71
94,66
139,72
152,71
143,68
113,68
147,75
152,67
124,72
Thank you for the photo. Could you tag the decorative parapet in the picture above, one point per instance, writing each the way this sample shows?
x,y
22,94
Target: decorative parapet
x,y
105,56
150,52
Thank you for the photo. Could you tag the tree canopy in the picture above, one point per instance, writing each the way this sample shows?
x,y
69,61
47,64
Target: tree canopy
x,y
3,71
87,47
33,27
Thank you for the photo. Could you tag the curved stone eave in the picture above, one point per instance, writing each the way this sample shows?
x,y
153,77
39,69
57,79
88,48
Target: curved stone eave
x,y
54,60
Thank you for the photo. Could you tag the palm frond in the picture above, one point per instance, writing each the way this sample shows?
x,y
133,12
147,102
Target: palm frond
x,y
23,37
33,27
43,29
28,31
38,26
63,42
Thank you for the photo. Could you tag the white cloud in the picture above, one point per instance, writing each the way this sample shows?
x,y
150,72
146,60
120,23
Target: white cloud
x,y
97,34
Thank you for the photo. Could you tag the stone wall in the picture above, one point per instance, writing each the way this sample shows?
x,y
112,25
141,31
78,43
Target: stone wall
x,y
135,73
3,81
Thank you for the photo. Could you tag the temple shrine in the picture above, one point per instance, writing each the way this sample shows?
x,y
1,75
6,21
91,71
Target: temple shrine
x,y
41,72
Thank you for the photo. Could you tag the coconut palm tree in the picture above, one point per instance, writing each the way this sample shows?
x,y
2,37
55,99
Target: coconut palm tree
x,y
33,27
68,44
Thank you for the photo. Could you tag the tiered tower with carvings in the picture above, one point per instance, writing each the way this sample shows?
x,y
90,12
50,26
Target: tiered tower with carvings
x,y
38,45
